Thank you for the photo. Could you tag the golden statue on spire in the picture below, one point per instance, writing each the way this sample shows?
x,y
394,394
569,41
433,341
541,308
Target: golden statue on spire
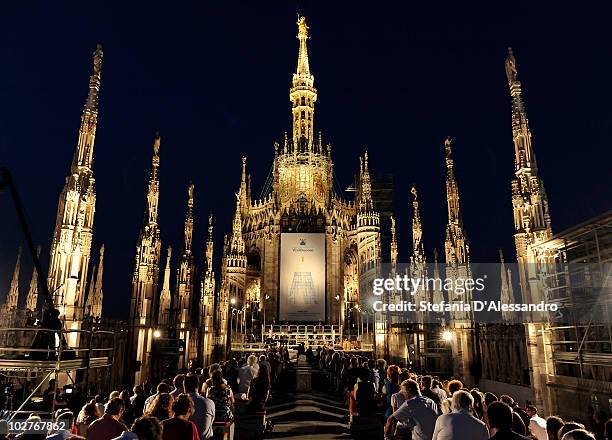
x,y
302,27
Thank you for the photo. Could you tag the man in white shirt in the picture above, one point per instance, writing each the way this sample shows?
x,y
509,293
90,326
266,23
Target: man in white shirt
x,y
246,374
459,424
537,424
417,413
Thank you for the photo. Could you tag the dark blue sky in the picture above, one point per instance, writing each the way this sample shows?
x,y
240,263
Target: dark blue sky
x,y
213,78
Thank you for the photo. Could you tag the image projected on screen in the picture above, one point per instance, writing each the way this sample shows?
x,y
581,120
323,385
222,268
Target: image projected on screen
x,y
302,277
303,287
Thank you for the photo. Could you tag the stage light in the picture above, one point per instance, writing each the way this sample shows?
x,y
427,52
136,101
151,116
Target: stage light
x,y
447,335
233,301
156,334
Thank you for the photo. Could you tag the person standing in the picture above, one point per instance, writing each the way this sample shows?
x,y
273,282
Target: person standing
x,y
459,424
246,374
537,424
204,408
417,413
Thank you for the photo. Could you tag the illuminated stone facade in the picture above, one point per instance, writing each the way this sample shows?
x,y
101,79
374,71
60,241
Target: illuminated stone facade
x,y
299,198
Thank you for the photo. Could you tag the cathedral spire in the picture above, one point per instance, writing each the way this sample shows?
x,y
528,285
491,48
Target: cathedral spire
x,y
12,298
94,302
507,292
153,190
189,220
393,245
456,247
418,250
365,196
83,156
164,300
32,298
73,233
302,94
531,214
209,244
236,241
438,296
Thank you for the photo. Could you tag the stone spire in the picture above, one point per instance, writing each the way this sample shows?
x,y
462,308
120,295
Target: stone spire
x,y
164,299
456,246
12,297
207,299
244,193
507,293
365,194
184,281
153,190
32,298
418,250
438,296
532,222
188,221
302,94
73,234
143,306
236,240
96,294
83,157
209,245
90,295
393,245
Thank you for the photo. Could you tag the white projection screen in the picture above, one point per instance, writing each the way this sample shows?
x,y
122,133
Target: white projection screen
x,y
302,277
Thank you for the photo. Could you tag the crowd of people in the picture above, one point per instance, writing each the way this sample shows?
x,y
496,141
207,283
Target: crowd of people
x,y
386,400
197,405
382,401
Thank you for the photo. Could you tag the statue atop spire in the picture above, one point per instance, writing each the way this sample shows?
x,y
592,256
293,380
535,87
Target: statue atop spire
x,y
302,66
511,71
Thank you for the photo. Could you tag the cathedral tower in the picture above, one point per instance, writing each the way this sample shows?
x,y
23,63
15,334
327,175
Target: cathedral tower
x,y
143,307
71,244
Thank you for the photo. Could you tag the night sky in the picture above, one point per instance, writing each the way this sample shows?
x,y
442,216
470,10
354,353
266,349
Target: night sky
x,y
213,78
